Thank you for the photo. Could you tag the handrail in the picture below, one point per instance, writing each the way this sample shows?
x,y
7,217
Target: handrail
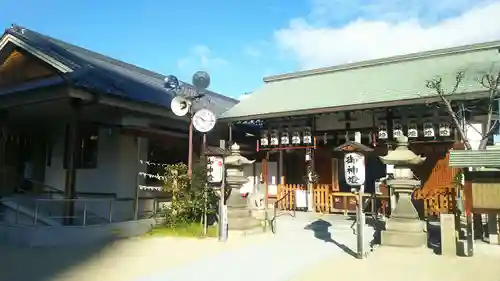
x,y
276,203
84,216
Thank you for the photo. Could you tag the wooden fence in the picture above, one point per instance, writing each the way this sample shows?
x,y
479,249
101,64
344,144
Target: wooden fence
x,y
326,200
441,200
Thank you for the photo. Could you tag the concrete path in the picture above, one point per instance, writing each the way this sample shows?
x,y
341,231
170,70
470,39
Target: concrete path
x,y
291,251
396,264
277,258
302,250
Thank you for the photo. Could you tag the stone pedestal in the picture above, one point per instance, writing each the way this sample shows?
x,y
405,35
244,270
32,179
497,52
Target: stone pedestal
x,y
404,228
238,214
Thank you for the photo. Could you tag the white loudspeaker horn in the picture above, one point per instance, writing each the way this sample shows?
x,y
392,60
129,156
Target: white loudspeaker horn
x,y
180,106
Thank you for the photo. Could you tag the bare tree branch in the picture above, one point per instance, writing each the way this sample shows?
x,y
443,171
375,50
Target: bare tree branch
x,y
436,84
491,82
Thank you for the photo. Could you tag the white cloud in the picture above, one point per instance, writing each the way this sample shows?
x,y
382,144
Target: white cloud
x,y
200,57
390,27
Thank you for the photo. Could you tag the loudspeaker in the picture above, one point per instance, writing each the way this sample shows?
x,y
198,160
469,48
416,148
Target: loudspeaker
x,y
180,106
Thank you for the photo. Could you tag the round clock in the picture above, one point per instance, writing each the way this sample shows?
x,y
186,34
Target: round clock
x,y
204,120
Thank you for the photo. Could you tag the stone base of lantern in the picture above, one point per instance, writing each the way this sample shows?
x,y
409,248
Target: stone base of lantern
x,y
404,233
238,215
404,228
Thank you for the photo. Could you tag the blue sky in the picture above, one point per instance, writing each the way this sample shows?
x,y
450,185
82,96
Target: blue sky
x,y
157,34
240,42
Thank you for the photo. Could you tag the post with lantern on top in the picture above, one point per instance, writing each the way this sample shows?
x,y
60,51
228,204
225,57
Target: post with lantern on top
x,y
354,167
217,179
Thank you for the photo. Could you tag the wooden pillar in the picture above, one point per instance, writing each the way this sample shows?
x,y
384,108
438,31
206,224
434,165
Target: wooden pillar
x,y
72,149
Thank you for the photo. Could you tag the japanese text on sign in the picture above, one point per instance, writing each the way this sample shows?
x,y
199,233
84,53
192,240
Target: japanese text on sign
x,y
354,165
215,169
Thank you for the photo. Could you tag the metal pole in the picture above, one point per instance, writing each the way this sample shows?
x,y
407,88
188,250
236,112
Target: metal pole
x,y
84,213
222,210
111,210
222,221
205,223
360,219
190,148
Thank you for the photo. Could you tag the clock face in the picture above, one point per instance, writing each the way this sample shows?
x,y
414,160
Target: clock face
x,y
204,120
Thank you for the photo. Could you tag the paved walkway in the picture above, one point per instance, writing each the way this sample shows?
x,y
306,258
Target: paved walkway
x,y
277,258
295,254
396,264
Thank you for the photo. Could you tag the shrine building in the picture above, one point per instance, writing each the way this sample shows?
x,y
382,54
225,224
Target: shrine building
x,y
303,116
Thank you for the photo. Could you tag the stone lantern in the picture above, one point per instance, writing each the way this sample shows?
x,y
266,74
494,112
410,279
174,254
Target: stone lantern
x,y
404,228
239,216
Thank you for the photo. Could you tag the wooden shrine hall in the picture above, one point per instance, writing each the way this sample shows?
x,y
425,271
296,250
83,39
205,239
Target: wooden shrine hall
x,y
304,116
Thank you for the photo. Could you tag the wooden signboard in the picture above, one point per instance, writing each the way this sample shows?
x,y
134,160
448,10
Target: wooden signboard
x,y
482,191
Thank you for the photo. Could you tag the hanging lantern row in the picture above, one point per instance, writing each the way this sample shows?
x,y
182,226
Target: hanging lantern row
x,y
286,137
428,130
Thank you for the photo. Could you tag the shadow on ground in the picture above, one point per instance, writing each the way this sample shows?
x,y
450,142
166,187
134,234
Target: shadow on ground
x,y
321,232
375,223
44,264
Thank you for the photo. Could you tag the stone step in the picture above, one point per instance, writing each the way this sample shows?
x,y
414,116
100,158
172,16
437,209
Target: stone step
x,y
416,226
243,223
254,231
403,239
239,212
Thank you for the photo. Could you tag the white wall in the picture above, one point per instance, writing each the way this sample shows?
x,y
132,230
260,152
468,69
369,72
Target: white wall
x,y
115,173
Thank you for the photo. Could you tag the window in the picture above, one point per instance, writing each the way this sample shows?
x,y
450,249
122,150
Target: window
x,y
87,146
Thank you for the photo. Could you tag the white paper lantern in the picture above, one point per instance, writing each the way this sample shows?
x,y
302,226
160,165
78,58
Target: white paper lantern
x,y
274,138
429,130
264,138
444,130
306,137
296,138
412,130
382,130
285,138
354,169
397,129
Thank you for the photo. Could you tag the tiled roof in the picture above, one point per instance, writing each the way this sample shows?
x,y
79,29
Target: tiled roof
x,y
111,76
366,84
